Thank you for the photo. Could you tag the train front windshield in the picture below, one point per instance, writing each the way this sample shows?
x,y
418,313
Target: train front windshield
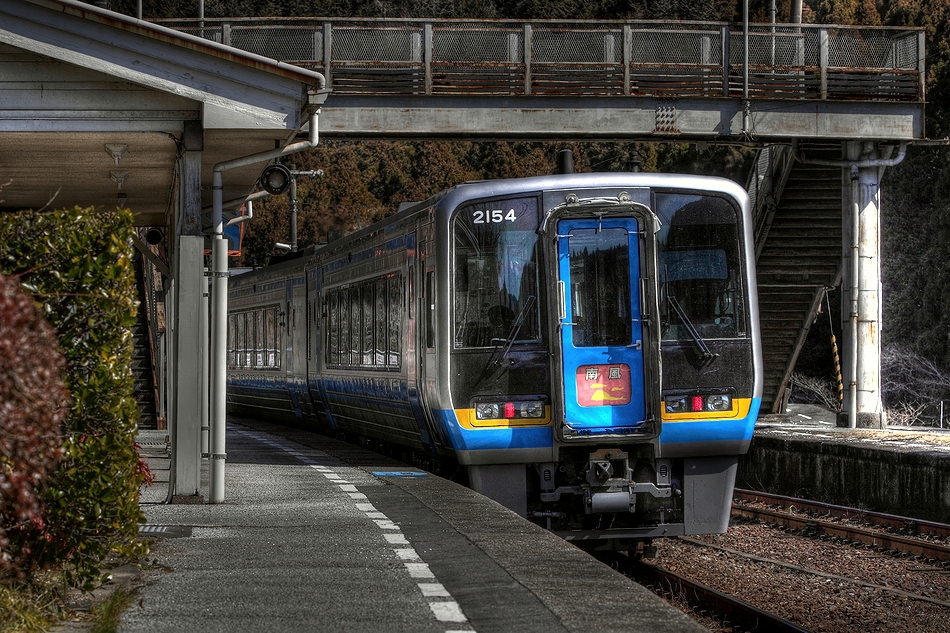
x,y
700,267
496,273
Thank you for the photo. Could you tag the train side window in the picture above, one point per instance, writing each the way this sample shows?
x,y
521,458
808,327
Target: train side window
x,y
382,335
333,328
366,293
395,319
240,342
231,336
364,323
258,339
356,326
271,337
345,323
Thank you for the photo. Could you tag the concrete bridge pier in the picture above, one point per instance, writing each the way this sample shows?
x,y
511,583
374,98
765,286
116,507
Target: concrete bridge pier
x,y
861,312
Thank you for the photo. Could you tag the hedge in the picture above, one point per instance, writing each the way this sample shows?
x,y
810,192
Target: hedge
x,y
33,404
77,264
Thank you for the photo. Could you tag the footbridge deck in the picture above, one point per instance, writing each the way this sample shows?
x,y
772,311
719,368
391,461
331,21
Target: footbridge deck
x,y
547,79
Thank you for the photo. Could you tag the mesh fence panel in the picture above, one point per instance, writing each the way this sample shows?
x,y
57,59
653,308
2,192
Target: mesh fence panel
x,y
786,47
676,47
866,47
463,43
280,42
577,47
398,44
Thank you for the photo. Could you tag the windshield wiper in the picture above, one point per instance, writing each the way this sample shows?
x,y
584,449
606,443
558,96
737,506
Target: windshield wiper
x,y
707,356
515,329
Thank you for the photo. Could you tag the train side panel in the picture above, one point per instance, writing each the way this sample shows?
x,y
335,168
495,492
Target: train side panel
x,y
264,341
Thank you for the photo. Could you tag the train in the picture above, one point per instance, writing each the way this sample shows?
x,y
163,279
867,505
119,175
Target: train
x,y
583,348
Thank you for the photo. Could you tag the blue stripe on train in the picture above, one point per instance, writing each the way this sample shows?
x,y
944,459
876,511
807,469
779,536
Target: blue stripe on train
x,y
463,439
739,429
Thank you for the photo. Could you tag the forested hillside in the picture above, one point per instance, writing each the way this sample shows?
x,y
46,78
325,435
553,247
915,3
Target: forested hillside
x,y
365,181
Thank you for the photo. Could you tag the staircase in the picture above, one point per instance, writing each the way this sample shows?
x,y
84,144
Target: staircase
x,y
798,215
142,368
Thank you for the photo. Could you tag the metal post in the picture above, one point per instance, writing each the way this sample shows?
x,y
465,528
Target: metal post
x,y
745,67
204,332
724,35
293,214
328,52
219,314
627,57
527,59
219,293
427,52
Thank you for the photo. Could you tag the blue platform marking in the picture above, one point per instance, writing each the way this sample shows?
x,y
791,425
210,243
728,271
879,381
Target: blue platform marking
x,y
398,473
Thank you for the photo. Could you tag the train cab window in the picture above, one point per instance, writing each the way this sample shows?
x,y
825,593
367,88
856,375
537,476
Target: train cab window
x,y
495,284
600,287
700,268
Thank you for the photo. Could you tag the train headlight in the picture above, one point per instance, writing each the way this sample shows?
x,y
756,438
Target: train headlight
x,y
487,411
719,402
532,409
677,404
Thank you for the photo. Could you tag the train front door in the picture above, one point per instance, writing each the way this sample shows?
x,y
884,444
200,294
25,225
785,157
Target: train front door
x,y
601,330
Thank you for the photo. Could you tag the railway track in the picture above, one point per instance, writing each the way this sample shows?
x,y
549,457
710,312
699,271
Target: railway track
x,y
741,615
863,534
861,589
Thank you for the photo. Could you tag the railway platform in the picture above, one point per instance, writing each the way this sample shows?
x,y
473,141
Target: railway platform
x,y
897,470
319,535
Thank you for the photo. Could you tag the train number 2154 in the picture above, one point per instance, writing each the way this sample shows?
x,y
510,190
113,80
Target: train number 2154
x,y
493,216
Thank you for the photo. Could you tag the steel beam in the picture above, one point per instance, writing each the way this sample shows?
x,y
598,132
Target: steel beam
x,y
642,118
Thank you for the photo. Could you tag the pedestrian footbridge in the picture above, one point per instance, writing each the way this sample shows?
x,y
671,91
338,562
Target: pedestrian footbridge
x,y
543,79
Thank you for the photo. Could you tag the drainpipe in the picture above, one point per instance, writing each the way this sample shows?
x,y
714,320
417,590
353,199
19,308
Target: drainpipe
x,y
855,291
856,232
219,294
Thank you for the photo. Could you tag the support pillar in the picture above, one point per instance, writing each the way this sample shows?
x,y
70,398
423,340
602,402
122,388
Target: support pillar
x,y
861,286
186,372
188,343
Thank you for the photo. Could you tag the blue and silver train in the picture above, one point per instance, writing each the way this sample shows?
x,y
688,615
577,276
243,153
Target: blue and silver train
x,y
584,347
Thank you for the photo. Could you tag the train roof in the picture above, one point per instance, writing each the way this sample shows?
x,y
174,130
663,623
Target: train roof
x,y
450,198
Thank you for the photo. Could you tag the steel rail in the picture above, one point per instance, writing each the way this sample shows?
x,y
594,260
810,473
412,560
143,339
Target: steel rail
x,y
895,542
844,512
732,609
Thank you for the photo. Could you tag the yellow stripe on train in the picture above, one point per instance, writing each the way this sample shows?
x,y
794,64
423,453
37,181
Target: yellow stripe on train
x,y
467,420
740,409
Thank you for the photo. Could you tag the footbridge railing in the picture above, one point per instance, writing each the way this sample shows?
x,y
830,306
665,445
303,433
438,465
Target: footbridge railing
x,y
608,59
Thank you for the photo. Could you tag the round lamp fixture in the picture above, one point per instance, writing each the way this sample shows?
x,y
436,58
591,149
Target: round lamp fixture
x,y
154,236
275,179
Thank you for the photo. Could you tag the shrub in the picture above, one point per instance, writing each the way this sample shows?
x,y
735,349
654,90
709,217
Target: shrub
x,y
33,404
78,264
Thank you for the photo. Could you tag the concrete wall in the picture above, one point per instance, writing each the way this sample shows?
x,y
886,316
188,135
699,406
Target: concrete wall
x,y
906,479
